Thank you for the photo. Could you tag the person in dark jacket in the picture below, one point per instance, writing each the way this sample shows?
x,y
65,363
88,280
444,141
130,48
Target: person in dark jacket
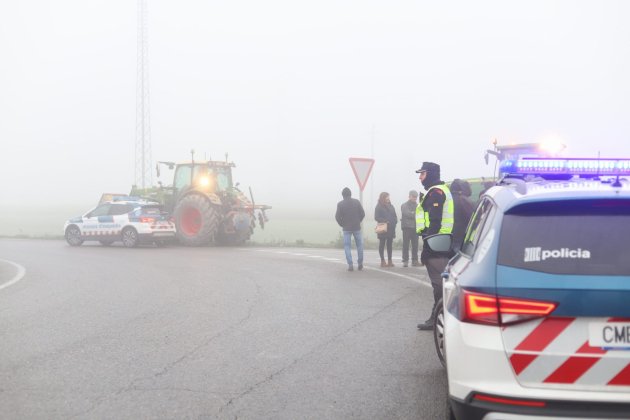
x,y
386,213
463,210
408,226
435,215
349,215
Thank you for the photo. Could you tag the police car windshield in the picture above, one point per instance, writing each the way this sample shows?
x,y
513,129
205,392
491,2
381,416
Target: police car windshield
x,y
587,237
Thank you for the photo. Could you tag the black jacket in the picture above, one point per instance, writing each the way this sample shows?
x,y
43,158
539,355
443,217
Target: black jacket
x,y
349,214
463,210
386,213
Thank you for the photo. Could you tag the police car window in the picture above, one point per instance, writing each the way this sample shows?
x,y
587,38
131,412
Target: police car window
x,y
117,209
583,237
101,210
476,230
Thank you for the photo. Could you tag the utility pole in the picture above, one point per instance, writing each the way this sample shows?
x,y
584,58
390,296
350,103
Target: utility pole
x,y
143,158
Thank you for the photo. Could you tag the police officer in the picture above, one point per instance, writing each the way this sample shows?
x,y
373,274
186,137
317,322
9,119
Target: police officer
x,y
434,214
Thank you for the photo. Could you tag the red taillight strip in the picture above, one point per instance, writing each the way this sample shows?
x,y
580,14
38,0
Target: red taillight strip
x,y
509,401
525,307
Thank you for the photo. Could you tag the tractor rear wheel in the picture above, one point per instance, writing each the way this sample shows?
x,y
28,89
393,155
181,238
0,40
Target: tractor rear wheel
x,y
197,220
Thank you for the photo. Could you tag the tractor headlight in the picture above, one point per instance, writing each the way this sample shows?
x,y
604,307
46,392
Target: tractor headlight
x,y
204,182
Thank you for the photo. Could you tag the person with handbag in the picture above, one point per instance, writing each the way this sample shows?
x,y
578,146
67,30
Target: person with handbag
x,y
386,218
349,215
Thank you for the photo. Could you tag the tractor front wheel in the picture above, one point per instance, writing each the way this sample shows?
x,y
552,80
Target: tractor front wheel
x,y
197,220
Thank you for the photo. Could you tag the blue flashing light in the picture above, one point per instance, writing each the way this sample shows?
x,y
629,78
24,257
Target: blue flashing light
x,y
574,166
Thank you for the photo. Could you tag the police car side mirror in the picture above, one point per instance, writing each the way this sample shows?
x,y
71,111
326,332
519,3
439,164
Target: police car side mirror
x,y
440,242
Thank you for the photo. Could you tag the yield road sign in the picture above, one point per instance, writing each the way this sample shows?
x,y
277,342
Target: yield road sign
x,y
362,167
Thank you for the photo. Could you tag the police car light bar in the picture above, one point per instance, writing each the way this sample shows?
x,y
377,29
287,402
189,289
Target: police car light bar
x,y
573,166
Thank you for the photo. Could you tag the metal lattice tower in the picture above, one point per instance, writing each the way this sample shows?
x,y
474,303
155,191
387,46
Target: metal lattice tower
x,y
143,177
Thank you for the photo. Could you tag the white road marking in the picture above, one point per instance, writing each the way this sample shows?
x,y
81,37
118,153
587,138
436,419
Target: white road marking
x,y
337,260
18,276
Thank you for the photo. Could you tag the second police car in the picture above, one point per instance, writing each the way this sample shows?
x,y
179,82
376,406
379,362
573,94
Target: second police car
x,y
535,321
127,219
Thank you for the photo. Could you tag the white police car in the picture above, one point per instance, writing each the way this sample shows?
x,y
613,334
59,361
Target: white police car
x,y
125,219
535,321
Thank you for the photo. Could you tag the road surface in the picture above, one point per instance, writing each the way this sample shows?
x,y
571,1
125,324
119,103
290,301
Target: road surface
x,y
204,333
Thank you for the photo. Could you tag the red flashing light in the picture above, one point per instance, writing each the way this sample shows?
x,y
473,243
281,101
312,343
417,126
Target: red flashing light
x,y
147,220
488,309
509,401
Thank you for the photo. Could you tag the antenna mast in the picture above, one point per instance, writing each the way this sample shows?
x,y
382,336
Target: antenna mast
x,y
143,122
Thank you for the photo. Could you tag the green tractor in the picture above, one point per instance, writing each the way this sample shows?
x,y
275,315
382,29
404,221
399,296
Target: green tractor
x,y
205,203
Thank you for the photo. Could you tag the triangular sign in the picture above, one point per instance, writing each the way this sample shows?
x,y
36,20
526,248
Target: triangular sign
x,y
362,167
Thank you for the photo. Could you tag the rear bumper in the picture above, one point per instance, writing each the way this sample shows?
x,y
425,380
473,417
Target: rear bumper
x,y
473,409
156,236
477,363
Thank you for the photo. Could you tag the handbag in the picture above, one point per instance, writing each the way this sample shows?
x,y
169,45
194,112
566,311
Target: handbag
x,y
381,228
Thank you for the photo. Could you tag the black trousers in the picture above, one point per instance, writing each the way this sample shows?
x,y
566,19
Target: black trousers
x,y
381,247
410,236
435,267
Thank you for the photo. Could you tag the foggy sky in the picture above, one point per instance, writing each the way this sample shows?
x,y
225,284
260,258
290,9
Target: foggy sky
x,y
292,89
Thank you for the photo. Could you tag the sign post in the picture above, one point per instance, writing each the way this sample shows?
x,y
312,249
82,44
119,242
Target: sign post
x,y
362,168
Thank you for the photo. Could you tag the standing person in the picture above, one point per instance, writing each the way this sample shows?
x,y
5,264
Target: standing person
x,y
463,210
434,215
408,226
386,213
349,215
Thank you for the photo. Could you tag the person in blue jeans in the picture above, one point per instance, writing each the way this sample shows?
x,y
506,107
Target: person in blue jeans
x,y
349,215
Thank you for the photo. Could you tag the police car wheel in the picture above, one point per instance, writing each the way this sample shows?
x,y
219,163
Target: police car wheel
x,y
73,236
438,332
129,237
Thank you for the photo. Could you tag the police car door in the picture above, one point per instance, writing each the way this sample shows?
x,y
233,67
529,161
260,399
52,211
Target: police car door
x,y
90,227
116,219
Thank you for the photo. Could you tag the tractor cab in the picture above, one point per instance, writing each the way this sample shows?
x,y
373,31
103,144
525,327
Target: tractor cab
x,y
210,176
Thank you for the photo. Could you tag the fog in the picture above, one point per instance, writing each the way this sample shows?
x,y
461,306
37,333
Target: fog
x,y
292,89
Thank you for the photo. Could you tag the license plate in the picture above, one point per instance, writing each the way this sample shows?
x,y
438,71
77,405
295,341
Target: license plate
x,y
163,234
609,335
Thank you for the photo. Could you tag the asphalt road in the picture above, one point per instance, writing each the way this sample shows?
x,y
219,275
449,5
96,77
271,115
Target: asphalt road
x,y
204,333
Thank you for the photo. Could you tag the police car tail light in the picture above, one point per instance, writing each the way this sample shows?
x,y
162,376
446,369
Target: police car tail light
x,y
496,310
147,220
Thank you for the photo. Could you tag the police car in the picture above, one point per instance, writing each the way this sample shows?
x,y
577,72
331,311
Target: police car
x,y
535,319
127,219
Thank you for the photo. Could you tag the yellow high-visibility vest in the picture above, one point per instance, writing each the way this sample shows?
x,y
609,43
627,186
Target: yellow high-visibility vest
x,y
448,212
